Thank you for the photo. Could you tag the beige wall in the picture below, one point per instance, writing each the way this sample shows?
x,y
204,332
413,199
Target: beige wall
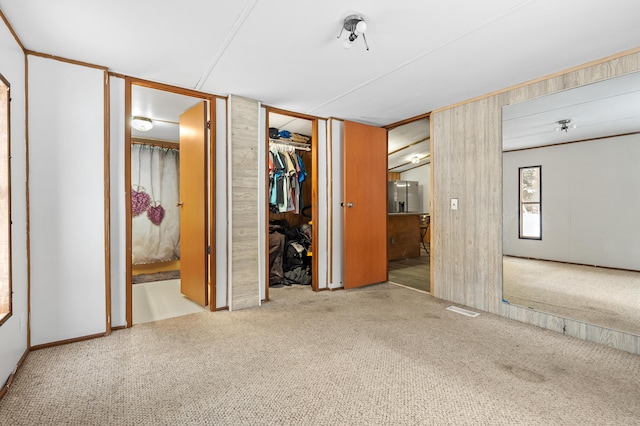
x,y
467,164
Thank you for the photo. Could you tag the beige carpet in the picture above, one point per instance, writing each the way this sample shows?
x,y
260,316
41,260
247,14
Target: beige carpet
x,y
379,355
605,297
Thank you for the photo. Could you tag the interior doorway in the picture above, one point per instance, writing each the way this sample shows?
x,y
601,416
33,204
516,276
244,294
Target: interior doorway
x,y
409,203
291,188
160,254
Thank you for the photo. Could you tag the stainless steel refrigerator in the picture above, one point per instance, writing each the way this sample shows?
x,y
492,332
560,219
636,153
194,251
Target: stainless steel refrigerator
x,y
403,196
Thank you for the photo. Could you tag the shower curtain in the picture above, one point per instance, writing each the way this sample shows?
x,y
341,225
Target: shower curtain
x,y
155,221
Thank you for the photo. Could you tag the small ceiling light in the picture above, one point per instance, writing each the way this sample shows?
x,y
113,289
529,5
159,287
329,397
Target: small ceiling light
x,y
355,26
564,125
142,124
415,160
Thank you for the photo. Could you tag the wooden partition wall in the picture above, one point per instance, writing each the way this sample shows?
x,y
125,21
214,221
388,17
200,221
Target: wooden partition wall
x,y
467,165
243,195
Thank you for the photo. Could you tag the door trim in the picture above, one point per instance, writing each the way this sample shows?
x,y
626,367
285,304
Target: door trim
x,y
314,193
129,82
391,126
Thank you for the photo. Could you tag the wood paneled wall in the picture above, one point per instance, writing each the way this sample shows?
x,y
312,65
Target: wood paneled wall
x,y
243,196
467,165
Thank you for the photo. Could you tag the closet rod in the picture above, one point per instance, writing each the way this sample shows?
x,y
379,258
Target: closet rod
x,y
296,145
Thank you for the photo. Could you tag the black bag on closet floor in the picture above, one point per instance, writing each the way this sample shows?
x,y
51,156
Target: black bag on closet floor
x,y
294,255
276,259
298,275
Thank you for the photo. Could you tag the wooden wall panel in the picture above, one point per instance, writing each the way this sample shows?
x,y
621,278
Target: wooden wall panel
x,y
467,164
244,181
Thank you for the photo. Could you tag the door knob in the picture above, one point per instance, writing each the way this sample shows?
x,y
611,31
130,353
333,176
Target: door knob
x,y
179,204
349,204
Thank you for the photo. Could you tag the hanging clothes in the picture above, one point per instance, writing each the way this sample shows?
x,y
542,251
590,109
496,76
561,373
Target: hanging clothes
x,y
286,174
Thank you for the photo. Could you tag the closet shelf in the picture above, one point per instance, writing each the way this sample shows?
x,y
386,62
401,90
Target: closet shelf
x,y
290,143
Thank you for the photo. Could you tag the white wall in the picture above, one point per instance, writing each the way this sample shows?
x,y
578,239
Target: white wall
x,y
336,218
590,203
13,333
221,204
118,208
323,207
422,175
66,187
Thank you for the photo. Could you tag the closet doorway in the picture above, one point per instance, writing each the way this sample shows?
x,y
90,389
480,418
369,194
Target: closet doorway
x,y
169,201
409,203
291,200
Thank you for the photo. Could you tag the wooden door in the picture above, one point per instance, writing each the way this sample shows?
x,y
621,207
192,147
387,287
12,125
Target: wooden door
x,y
193,206
365,205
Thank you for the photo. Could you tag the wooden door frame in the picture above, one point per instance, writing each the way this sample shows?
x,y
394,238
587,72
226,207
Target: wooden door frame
x,y
129,82
314,194
391,126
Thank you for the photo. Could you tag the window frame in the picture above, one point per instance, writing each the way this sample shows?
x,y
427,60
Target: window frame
x,y
522,203
6,310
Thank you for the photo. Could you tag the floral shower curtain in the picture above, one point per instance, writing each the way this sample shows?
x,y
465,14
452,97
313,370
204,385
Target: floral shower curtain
x,y
155,222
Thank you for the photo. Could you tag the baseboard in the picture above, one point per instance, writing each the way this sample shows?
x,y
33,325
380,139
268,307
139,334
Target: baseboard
x,y
7,385
67,341
120,327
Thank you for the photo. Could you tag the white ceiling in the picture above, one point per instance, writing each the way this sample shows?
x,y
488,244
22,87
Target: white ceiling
x,y
163,108
407,142
423,54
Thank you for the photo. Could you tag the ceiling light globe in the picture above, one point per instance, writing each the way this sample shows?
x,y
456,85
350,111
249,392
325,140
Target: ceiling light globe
x,y
142,124
361,27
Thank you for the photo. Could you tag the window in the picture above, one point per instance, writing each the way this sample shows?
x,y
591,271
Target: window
x,y
530,203
5,204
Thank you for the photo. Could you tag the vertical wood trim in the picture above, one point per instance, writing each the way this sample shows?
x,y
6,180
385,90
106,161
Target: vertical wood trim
x,y
467,164
267,269
314,204
107,201
127,199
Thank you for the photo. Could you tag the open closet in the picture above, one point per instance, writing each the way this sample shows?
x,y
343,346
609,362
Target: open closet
x,y
290,192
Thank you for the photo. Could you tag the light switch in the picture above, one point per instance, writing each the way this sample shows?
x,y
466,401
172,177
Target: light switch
x,y
454,204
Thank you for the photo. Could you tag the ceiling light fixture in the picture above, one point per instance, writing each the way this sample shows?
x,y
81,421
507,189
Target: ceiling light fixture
x,y
356,26
565,126
142,124
415,160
